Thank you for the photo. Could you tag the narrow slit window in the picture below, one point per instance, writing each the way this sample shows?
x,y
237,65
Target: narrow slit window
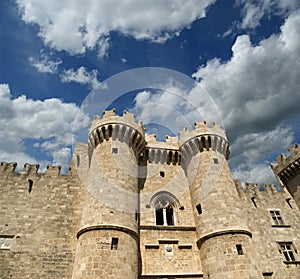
x,y
199,208
289,202
30,184
78,160
114,243
239,249
253,201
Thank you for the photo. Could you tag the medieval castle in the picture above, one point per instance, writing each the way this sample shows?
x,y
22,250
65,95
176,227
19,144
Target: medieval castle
x,y
133,207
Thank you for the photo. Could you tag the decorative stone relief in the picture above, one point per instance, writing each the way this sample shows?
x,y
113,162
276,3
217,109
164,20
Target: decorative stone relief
x,y
169,251
5,242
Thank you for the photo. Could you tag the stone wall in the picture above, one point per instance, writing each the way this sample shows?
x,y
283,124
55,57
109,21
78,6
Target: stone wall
x,y
170,250
266,233
42,213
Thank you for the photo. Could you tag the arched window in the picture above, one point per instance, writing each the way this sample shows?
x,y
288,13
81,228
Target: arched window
x,y
164,204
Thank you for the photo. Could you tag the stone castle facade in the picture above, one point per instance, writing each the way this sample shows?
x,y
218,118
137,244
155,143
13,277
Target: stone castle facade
x,y
132,207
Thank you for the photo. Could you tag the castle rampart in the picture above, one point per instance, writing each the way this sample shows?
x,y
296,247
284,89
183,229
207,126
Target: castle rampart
x,y
134,207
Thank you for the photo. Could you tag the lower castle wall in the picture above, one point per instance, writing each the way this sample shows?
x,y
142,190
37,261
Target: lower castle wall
x,y
44,221
99,260
266,235
43,224
169,252
220,258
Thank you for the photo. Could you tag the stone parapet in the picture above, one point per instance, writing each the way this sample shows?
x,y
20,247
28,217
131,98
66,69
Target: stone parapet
x,y
202,138
30,169
256,188
162,152
124,128
201,128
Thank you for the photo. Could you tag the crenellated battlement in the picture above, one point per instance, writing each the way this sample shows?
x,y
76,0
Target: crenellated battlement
x,y
203,138
170,143
124,128
110,117
255,188
30,169
8,166
287,168
201,128
162,152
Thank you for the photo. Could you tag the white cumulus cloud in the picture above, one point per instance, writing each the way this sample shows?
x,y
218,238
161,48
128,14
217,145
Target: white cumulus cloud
x,y
48,123
252,149
82,76
77,26
259,85
253,11
45,64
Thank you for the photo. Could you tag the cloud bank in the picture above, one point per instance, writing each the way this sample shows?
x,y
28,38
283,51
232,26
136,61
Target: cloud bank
x,y
253,11
77,26
45,64
49,124
82,76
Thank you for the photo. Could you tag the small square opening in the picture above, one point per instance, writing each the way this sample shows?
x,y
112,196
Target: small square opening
x,y
114,150
162,173
5,242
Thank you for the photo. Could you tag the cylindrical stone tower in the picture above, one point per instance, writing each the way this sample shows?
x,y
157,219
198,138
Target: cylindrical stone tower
x,y
108,240
223,235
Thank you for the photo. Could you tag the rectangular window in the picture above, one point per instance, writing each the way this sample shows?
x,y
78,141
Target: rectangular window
x,y
277,219
216,161
114,243
5,242
239,249
162,173
287,249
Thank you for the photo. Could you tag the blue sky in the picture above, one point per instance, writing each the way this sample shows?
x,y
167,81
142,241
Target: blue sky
x,y
245,54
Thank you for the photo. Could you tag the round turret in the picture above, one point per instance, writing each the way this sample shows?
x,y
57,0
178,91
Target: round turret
x,y
109,226
221,226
